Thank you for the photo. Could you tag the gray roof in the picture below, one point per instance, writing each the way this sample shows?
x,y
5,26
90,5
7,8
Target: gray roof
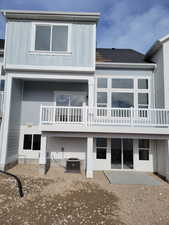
x,y
113,55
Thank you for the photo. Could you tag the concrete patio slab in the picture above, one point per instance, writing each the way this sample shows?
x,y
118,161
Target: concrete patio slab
x,y
127,177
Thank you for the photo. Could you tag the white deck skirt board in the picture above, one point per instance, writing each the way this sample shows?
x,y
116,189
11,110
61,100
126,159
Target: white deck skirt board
x,y
122,177
105,129
60,133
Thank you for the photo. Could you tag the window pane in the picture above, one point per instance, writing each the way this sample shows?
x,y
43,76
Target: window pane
x,y
122,83
59,38
101,142
2,85
77,100
128,144
144,143
27,141
42,40
143,155
122,100
102,98
143,83
102,83
62,100
36,141
143,99
101,153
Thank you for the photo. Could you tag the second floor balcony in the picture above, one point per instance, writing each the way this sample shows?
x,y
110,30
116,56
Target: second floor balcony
x,y
97,119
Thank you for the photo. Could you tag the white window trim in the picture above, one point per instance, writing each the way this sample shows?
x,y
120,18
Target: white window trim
x,y
144,149
105,147
39,52
31,149
133,90
104,104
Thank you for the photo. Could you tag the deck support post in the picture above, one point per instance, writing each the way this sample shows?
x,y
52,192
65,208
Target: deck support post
x,y
91,92
89,158
43,155
167,162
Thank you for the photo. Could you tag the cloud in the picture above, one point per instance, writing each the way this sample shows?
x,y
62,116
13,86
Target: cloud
x,y
127,29
124,24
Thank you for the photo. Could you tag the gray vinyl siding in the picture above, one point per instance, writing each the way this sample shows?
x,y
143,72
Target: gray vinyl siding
x,y
123,72
14,121
1,59
159,79
19,46
37,93
166,73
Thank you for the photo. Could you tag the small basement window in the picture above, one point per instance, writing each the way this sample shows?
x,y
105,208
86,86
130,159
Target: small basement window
x,y
144,148
32,142
101,148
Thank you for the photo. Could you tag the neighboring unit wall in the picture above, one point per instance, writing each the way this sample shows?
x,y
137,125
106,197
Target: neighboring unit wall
x,y
18,47
159,79
166,73
14,121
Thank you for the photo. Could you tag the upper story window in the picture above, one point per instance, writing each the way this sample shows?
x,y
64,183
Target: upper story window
x,y
122,83
102,82
142,83
51,37
123,92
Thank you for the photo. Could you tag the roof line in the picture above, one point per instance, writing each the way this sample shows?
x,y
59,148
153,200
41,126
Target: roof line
x,y
156,46
126,65
24,14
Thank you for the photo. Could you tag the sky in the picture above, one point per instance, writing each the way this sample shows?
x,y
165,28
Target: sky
x,y
134,24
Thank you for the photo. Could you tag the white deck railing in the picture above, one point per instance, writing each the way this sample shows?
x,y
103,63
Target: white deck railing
x,y
104,116
1,102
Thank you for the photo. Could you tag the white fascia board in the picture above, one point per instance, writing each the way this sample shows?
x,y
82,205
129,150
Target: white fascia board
x,y
105,135
49,15
156,46
106,129
49,76
151,66
31,68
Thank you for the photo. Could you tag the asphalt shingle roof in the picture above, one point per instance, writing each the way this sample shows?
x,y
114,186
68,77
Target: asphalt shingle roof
x,y
119,56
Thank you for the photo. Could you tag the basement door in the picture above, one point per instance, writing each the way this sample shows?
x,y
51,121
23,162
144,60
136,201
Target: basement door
x,y
121,153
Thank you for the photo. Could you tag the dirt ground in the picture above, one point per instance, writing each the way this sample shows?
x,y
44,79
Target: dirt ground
x,y
60,198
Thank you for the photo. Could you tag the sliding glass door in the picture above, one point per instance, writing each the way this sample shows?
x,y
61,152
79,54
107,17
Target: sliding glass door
x,y
127,154
116,151
121,153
